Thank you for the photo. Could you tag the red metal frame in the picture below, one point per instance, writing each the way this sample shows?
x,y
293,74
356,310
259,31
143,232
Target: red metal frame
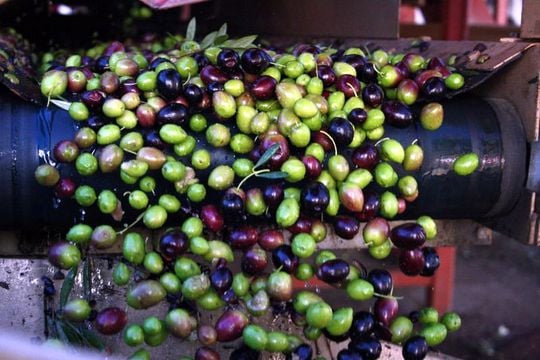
x,y
455,19
440,287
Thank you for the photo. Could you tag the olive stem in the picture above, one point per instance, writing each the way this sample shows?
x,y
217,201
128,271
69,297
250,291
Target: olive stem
x,y
331,139
381,140
132,224
278,65
254,173
130,152
391,297
187,80
414,141
353,89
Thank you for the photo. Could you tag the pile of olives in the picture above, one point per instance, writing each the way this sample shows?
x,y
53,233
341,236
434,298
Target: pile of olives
x,y
303,132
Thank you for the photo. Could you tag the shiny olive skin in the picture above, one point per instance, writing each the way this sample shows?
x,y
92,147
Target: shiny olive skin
x,y
408,236
333,271
111,320
230,325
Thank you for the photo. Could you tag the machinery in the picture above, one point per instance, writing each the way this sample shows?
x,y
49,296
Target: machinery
x,y
496,115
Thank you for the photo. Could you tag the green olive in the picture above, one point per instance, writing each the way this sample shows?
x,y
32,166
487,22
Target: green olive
x,y
466,164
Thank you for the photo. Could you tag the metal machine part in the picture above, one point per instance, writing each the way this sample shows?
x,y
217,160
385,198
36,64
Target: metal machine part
x,y
471,124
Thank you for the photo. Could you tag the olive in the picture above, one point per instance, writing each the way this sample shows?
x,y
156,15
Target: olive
x,y
466,164
452,321
255,337
230,325
381,281
263,87
369,348
66,151
284,257
221,279
172,113
179,323
206,353
279,286
243,237
273,195
111,321
169,83
254,261
346,354
326,74
212,217
64,255
431,261
133,335
397,114
434,333
76,310
360,289
103,237
411,262
408,236
415,348
145,294
287,212
254,60
287,94
413,159
133,248
319,315
54,83
385,310
434,88
372,95
86,164
221,177
363,325
333,271
351,196
346,226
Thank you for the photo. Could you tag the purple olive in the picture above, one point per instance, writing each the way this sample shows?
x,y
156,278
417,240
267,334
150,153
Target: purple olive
x,y
341,130
313,166
333,271
273,195
357,116
212,218
314,198
65,188
173,243
243,237
385,310
371,206
411,262
228,59
221,279
211,74
397,114
349,85
270,239
111,321
254,261
326,74
146,116
408,236
434,89
66,151
230,325
302,225
206,353
169,83
206,334
263,87
255,61
93,99
193,94
365,157
172,113
373,95
345,226
283,257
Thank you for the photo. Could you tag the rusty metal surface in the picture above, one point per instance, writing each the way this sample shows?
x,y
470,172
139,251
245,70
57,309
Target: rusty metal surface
x,y
530,19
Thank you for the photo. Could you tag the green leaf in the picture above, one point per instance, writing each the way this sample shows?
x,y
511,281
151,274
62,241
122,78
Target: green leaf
x,y
67,286
62,104
222,30
241,43
274,175
208,40
267,155
91,338
191,28
60,333
220,39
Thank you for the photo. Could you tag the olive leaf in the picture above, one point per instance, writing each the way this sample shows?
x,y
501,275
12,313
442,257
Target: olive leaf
x,y
67,286
222,30
267,155
60,333
240,43
90,338
220,39
208,40
274,175
190,32
61,104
